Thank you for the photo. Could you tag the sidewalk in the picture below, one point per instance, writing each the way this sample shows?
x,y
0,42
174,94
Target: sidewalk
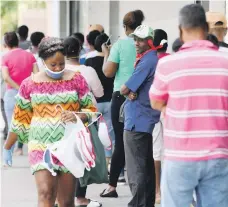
x,y
18,188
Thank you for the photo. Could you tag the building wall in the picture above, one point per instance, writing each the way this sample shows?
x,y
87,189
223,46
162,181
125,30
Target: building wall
x,y
53,18
158,14
94,12
218,6
35,19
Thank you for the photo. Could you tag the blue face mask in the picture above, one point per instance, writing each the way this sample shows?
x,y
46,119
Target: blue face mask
x,y
52,74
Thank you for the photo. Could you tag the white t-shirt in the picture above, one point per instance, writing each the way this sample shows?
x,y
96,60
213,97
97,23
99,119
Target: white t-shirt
x,y
91,78
90,54
39,62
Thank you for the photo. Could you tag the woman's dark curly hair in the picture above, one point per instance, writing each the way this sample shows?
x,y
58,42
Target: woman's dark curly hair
x,y
49,46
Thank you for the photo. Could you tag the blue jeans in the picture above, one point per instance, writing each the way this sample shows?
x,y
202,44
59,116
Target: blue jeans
x,y
9,104
208,178
105,109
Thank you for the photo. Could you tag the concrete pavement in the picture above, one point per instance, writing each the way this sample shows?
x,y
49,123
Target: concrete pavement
x,y
18,188
18,185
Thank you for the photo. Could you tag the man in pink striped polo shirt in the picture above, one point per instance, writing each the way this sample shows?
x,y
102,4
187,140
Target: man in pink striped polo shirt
x,y
191,88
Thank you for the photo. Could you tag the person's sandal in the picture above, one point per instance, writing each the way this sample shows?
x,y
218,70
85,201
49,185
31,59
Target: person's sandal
x,y
92,203
111,194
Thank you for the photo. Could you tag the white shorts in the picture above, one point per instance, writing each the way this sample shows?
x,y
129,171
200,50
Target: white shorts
x,y
158,141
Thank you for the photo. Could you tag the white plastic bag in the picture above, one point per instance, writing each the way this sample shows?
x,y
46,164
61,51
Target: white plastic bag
x,y
75,150
104,135
66,150
84,144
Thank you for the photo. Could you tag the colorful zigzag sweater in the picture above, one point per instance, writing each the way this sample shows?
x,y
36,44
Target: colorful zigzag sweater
x,y
36,117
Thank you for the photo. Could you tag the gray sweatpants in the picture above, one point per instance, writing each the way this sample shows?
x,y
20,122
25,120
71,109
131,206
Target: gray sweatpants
x,y
140,168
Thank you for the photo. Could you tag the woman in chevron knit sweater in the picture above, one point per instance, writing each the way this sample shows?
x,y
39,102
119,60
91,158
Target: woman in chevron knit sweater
x,y
37,121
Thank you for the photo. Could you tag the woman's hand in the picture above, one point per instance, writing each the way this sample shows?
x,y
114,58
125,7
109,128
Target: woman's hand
x,y
83,117
68,116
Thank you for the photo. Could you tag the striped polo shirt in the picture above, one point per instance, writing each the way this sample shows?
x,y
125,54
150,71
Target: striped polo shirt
x,y
194,84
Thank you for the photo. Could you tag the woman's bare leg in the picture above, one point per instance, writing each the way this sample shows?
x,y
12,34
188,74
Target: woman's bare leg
x,y
47,188
66,190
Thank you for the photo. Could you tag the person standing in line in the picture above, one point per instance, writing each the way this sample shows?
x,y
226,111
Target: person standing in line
x,y
90,42
104,102
97,27
17,65
94,27
140,120
190,87
36,38
81,39
3,114
91,37
35,117
23,35
218,27
161,43
4,50
72,47
177,44
119,63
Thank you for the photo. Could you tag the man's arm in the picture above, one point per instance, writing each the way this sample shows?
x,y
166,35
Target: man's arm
x,y
158,105
124,90
159,90
138,77
127,92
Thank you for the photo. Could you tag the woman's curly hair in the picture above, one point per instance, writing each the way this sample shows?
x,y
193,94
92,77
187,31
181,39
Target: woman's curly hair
x,y
49,46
